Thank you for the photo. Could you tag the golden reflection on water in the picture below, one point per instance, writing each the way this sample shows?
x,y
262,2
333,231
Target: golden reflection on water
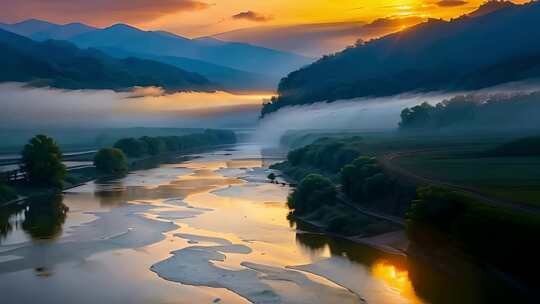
x,y
396,278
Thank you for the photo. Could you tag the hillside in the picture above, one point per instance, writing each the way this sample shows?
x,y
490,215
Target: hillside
x,y
317,39
62,65
436,55
230,79
235,66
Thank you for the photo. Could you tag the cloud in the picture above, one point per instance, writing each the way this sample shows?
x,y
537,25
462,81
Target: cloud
x,y
96,12
451,3
252,16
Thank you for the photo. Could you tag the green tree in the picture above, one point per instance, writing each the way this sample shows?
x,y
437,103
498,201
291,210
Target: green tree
x,y
355,175
155,145
313,192
132,147
272,177
112,161
42,161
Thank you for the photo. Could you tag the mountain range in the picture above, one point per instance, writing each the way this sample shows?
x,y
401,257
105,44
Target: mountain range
x,y
482,49
236,66
61,64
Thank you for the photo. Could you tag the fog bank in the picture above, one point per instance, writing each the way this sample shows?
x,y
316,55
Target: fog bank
x,y
363,114
27,108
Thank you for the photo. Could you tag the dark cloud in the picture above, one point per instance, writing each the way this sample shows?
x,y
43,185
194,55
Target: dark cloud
x,y
96,12
252,16
451,3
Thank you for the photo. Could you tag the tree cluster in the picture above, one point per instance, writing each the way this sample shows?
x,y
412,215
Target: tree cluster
x,y
146,145
475,112
327,154
363,180
313,192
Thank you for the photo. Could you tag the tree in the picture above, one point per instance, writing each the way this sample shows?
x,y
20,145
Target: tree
x,y
355,174
112,161
42,161
272,177
313,192
155,145
132,147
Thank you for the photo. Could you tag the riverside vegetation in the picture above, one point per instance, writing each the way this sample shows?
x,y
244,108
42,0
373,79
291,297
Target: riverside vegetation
x,y
45,172
332,171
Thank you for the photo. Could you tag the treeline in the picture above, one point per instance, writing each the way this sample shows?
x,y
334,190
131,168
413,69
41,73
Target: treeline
x,y
146,145
114,160
439,217
469,112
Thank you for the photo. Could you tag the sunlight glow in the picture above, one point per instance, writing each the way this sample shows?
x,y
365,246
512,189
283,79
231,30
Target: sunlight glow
x,y
396,279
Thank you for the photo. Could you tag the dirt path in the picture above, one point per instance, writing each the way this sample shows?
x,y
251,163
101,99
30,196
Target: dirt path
x,y
388,162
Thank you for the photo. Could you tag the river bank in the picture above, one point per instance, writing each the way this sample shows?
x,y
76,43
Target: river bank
x,y
79,176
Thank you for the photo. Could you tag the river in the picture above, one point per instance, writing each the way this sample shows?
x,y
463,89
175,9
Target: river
x,y
208,230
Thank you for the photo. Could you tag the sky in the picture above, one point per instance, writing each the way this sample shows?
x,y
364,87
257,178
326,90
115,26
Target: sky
x,y
194,18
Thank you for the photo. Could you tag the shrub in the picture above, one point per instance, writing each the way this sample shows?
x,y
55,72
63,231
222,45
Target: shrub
x,y
112,161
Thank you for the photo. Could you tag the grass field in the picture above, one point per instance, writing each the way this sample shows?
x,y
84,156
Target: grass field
x,y
513,179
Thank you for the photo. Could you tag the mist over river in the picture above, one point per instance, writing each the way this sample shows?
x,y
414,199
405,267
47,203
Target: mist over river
x,y
37,108
208,230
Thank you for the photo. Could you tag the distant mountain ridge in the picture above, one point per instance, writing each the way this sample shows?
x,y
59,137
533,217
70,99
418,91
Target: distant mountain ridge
x,y
42,30
238,66
61,64
465,53
239,56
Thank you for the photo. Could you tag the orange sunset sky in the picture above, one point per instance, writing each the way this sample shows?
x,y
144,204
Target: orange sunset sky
x,y
194,18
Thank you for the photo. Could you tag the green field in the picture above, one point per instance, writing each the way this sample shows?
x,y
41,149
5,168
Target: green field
x,y
513,179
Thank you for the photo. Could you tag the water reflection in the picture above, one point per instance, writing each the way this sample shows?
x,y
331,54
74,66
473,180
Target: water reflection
x,y
396,278
445,277
44,217
41,218
10,219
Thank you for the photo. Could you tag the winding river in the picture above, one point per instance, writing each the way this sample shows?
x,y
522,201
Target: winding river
x,y
208,230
